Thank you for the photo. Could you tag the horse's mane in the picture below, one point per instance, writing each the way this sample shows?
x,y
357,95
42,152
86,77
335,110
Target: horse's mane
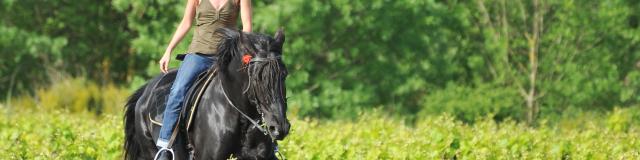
x,y
228,48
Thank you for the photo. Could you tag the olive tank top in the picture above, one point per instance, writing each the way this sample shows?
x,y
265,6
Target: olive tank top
x,y
208,20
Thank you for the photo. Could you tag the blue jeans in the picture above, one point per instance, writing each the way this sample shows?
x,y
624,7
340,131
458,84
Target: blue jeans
x,y
192,65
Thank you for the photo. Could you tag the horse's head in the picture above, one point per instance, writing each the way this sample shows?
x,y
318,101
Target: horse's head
x,y
258,62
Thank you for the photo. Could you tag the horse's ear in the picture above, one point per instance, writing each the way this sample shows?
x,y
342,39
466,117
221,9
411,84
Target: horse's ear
x,y
279,38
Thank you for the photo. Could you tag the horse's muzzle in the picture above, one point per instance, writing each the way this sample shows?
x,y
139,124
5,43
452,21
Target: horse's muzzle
x,y
280,132
274,132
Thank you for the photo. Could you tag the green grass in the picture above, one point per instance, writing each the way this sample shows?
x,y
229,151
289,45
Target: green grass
x,y
30,134
55,124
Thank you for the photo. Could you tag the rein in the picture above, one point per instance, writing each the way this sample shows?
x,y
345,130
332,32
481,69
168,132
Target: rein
x,y
254,122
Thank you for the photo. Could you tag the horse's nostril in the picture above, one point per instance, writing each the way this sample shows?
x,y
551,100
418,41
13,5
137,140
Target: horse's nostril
x,y
273,130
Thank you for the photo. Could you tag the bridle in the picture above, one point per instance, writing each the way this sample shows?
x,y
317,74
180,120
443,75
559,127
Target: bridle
x,y
257,124
254,99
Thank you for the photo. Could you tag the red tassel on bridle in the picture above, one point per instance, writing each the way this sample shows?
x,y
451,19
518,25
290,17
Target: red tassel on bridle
x,y
246,58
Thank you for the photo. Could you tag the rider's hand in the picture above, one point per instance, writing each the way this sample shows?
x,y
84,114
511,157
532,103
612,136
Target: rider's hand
x,y
164,62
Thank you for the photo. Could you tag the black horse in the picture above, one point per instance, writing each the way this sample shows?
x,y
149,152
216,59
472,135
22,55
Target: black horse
x,y
254,87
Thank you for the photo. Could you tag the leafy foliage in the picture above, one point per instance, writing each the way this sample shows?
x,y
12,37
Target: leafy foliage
x,y
468,104
31,134
83,38
405,56
58,130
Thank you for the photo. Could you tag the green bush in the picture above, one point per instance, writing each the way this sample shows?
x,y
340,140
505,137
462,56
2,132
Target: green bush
x,y
347,56
471,103
38,134
74,95
622,119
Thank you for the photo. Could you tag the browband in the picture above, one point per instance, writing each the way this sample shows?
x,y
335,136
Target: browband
x,y
258,59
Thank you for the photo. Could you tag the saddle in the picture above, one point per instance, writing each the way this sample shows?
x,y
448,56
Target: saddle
x,y
189,105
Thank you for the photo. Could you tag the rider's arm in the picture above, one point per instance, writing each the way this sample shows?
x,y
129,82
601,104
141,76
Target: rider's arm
x,y
245,14
183,28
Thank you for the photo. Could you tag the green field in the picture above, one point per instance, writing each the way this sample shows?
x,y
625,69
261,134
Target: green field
x,y
66,127
33,134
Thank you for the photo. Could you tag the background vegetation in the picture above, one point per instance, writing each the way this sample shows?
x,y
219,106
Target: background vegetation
x,y
457,76
35,130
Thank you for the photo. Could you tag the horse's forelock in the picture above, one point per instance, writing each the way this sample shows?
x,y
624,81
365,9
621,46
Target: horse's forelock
x,y
266,78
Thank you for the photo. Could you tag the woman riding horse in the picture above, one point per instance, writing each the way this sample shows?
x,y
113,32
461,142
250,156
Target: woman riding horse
x,y
210,15
241,110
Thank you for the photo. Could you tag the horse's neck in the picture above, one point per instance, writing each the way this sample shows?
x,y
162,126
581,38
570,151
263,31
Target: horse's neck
x,y
230,90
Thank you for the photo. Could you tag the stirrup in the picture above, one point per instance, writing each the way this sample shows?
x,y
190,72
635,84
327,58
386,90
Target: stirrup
x,y
173,156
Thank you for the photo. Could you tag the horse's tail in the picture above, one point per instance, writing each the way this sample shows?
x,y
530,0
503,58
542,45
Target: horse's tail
x,y
132,148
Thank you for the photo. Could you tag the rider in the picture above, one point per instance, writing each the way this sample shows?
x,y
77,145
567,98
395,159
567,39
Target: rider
x,y
210,15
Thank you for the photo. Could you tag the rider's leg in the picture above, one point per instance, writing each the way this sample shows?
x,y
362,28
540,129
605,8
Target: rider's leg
x,y
190,68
